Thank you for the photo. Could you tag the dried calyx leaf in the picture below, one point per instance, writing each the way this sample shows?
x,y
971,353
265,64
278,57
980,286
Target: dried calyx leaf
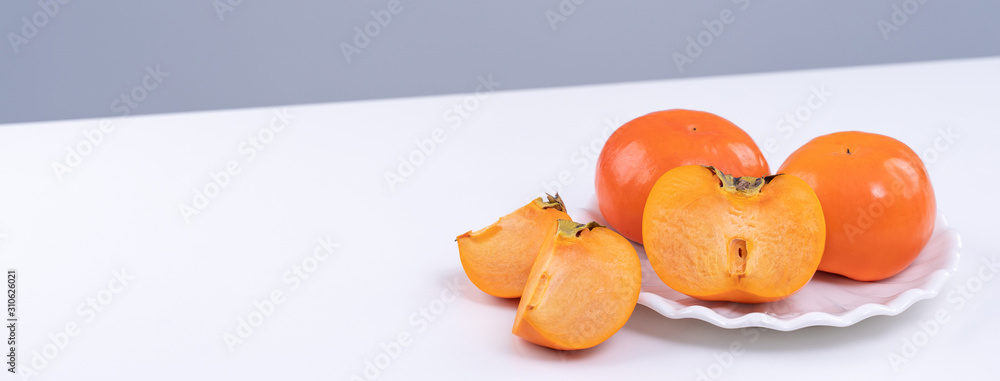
x,y
745,185
552,202
570,229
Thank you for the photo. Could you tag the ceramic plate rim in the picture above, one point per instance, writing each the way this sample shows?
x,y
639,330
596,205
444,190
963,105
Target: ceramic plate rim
x,y
928,289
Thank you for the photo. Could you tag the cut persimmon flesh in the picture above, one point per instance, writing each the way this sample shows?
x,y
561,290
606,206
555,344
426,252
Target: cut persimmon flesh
x,y
498,258
713,236
582,289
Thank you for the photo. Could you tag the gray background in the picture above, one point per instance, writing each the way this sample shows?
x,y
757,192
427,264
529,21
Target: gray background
x,y
265,53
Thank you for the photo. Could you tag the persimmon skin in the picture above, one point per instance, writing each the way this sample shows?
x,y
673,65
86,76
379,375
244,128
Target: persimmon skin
x,y
642,150
693,227
498,258
878,201
582,289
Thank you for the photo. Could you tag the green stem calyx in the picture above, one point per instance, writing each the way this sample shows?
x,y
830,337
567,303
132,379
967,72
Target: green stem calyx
x,y
552,202
745,185
570,229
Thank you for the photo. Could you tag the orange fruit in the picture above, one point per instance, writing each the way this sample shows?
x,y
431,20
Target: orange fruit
x,y
713,236
877,200
498,258
582,288
642,150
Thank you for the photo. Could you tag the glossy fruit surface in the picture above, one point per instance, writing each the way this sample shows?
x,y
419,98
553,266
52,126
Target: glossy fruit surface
x,y
582,289
642,150
877,198
498,258
743,239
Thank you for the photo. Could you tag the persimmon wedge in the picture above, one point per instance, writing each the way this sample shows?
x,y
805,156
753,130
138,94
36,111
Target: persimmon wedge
x,y
713,236
582,289
498,258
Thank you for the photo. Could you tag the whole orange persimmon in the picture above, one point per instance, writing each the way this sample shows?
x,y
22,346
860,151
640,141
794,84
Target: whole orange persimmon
x,y
713,236
877,199
642,150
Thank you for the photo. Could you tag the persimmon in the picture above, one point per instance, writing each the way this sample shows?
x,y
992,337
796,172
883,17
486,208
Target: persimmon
x,y
714,236
877,199
583,287
642,150
498,258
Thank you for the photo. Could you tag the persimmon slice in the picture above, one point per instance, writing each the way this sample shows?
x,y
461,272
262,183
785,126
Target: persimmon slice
x,y
582,288
498,258
713,236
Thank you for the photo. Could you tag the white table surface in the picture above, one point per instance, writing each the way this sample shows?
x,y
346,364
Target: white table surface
x,y
324,176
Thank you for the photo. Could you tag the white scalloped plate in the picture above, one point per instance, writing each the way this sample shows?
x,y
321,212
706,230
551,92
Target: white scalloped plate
x,y
827,300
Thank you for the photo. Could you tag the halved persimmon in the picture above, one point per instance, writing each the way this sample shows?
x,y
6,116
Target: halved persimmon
x,y
713,236
582,289
498,258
